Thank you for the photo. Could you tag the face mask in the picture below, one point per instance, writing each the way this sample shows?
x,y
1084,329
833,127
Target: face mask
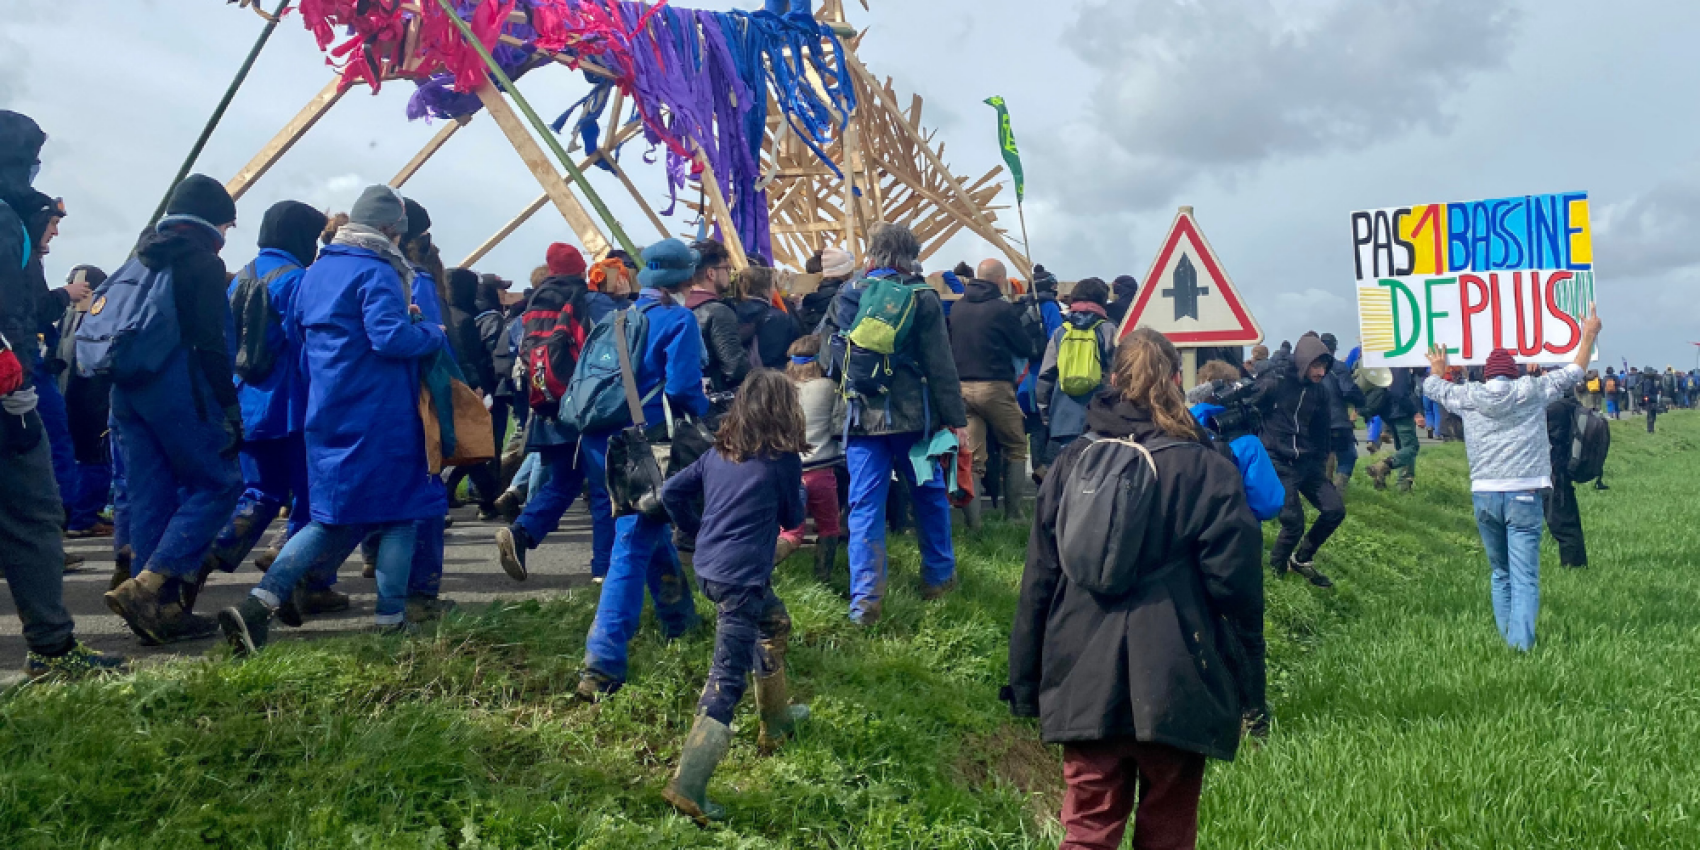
x,y
34,171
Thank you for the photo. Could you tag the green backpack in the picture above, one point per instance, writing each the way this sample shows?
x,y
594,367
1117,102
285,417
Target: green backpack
x,y
1079,367
885,315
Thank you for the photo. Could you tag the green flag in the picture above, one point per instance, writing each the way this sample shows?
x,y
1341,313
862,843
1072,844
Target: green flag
x,y
1011,153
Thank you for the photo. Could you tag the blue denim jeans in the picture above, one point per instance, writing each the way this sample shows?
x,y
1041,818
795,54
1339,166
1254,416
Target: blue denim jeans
x,y
56,423
1511,526
643,556
872,460
319,545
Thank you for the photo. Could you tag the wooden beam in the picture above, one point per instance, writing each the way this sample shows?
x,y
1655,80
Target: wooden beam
x,y
506,231
595,244
285,139
436,144
722,213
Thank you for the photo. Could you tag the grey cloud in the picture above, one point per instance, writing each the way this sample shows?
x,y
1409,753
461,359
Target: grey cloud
x,y
1652,234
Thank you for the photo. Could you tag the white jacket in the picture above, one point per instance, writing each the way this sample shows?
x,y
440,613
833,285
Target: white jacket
x,y
820,398
1505,427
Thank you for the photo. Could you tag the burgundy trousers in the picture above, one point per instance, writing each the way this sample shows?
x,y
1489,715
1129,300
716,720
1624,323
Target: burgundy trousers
x,y
1107,780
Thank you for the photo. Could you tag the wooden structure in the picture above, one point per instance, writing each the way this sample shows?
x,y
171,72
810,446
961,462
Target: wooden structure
x,y
893,171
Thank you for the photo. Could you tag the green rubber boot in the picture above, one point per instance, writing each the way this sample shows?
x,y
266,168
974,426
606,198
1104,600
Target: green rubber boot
x,y
707,744
779,718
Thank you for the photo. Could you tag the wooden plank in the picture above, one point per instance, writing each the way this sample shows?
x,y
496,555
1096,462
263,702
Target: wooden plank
x,y
285,139
722,213
554,186
506,231
436,144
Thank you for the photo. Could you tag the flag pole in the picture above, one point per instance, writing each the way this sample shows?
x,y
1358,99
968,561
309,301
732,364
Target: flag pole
x,y
1026,249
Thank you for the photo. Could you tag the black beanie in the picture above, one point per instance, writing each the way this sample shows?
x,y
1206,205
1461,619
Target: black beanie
x,y
418,220
204,198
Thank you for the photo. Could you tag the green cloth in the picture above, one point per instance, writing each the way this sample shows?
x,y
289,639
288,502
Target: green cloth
x,y
1011,153
1404,456
926,456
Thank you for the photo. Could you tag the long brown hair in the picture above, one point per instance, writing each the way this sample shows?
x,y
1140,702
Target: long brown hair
x,y
1145,369
808,346
753,282
765,421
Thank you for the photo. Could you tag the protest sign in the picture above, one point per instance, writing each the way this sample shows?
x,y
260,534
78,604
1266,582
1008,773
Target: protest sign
x,y
1514,273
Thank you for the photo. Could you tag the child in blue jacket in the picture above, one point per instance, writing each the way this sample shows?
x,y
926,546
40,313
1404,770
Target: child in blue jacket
x,y
752,483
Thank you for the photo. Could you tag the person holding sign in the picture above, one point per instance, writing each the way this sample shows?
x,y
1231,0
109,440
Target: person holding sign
x,y
1511,469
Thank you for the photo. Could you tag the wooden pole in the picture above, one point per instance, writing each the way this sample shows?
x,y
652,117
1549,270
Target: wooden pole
x,y
1026,246
285,139
1189,368
436,144
535,159
722,213
506,231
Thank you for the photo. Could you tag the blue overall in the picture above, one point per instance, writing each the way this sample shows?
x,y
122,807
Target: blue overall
x,y
872,460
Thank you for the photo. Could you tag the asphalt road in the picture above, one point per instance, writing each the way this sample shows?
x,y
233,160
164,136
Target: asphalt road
x,y
471,577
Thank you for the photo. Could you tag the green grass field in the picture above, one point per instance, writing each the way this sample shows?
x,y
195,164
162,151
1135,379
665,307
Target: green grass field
x,y
1402,721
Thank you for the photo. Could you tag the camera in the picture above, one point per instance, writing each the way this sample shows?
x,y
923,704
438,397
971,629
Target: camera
x,y
1240,416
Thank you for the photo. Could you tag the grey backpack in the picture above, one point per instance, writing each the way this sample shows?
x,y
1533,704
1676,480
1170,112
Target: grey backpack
x,y
1107,505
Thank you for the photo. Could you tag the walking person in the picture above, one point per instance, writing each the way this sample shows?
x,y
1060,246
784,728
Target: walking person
x,y
363,354
1076,367
1343,396
752,483
1296,433
1399,414
1135,736
88,407
1652,388
1563,513
764,328
987,339
478,369
180,426
669,377
821,462
1510,468
725,358
32,552
915,394
273,396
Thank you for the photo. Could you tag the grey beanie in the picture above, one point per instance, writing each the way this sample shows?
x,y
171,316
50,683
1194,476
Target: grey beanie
x,y
380,207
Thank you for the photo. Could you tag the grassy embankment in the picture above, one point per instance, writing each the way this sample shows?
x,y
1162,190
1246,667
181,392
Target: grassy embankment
x,y
1402,720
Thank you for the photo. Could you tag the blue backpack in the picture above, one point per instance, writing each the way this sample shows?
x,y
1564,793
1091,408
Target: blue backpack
x,y
132,326
595,401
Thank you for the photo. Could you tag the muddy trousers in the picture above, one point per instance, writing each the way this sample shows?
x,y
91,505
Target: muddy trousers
x,y
31,550
750,621
1109,780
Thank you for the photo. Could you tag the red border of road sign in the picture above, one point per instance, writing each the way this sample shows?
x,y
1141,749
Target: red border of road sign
x,y
1184,226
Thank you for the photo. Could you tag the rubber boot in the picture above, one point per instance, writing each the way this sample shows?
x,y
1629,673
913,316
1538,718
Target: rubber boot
x,y
705,747
1405,484
826,558
1016,491
1378,473
971,514
779,718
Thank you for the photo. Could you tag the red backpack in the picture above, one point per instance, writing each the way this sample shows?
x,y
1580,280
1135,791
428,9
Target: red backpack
x,y
554,339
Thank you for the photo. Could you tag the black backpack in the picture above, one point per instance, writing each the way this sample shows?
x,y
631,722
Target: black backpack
x,y
1106,504
1590,444
251,306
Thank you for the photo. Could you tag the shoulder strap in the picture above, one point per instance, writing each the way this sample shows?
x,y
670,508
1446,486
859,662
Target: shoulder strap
x,y
628,375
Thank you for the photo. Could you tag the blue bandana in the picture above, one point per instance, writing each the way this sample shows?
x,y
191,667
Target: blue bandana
x,y
804,361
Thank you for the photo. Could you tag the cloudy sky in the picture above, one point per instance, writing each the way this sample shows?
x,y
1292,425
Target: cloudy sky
x,y
1273,118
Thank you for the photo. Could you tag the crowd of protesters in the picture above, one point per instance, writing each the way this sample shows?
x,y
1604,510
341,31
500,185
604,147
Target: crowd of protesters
x,y
202,405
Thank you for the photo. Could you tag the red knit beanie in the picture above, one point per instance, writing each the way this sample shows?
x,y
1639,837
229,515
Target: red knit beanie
x,y
565,261
1500,364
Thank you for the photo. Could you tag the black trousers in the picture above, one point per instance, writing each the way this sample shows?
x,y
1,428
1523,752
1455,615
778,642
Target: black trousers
x,y
1652,416
1306,482
1564,522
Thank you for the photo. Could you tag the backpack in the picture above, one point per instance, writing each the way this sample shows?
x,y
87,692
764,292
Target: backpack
x,y
881,315
1593,385
132,326
552,344
251,305
1611,385
1033,326
1106,506
595,399
1591,443
1080,369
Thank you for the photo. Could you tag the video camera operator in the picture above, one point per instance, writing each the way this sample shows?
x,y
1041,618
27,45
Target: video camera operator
x,y
1227,408
1296,426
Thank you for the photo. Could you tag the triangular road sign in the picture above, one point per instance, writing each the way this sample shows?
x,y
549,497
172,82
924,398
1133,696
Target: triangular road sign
x,y
1188,297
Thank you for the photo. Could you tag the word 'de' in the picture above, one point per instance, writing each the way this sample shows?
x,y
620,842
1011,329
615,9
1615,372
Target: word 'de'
x,y
1514,273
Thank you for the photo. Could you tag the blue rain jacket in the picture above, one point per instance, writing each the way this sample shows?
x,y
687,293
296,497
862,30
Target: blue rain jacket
x,y
361,354
1263,488
276,407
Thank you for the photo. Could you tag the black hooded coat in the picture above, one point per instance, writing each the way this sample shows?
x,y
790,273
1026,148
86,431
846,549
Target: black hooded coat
x,y
25,301
1296,418
464,338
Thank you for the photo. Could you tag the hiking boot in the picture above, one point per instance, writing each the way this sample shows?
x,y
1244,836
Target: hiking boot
x,y
511,546
1406,484
1308,570
78,662
971,514
263,561
180,626
931,593
428,609
783,550
401,629
866,615
593,687
1016,490
370,559
1378,473
99,529
705,747
121,561
74,563
192,590
779,718
325,601
246,626
289,613
508,507
1255,725
826,558
487,512
136,602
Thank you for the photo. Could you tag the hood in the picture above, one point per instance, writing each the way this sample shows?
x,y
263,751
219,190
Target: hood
x,y
697,298
1498,397
980,291
1085,319
489,297
463,291
20,148
160,249
293,228
1307,353
823,296
1113,416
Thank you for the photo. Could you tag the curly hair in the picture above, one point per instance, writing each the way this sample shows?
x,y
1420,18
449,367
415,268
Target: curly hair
x,y
1146,367
765,421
